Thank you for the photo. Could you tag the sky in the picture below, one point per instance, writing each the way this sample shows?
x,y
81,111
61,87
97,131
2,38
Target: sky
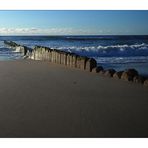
x,y
91,22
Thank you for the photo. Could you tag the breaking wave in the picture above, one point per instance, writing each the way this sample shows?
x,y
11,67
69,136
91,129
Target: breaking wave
x,y
122,60
110,50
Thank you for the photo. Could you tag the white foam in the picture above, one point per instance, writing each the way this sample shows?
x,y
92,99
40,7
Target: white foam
x,y
105,48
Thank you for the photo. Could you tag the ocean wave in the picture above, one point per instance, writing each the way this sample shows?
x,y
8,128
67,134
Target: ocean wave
x,y
110,50
84,38
122,60
99,48
106,37
124,47
1,44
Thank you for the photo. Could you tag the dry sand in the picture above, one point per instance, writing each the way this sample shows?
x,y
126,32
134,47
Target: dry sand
x,y
39,99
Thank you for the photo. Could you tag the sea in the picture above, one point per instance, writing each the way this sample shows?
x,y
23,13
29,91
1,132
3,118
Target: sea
x,y
118,52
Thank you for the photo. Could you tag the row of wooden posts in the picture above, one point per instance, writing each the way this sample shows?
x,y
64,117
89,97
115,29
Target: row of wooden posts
x,y
62,57
55,56
76,61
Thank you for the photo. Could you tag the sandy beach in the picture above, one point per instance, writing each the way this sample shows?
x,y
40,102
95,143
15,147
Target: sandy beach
x,y
40,99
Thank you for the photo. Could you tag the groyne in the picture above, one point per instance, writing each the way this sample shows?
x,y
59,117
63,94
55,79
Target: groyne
x,y
62,57
55,56
17,47
76,61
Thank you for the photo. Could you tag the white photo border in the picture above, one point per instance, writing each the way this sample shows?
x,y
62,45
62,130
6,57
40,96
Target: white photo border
x,y
73,5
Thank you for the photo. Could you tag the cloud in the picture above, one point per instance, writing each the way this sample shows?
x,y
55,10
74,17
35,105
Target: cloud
x,y
19,31
48,31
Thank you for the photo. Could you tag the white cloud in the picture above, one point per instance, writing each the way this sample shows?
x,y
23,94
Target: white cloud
x,y
47,31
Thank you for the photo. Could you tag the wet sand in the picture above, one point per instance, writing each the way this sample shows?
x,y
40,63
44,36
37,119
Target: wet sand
x,y
40,99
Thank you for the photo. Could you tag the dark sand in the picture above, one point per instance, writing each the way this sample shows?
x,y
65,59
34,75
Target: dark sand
x,y
39,99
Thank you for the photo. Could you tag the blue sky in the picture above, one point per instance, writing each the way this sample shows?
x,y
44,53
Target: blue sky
x,y
73,22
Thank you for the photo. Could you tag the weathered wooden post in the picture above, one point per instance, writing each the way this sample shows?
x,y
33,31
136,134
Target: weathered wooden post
x,y
62,58
65,58
81,60
68,59
53,56
74,60
90,64
50,54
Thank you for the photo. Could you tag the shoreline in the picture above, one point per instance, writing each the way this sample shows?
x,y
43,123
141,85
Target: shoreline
x,y
77,61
